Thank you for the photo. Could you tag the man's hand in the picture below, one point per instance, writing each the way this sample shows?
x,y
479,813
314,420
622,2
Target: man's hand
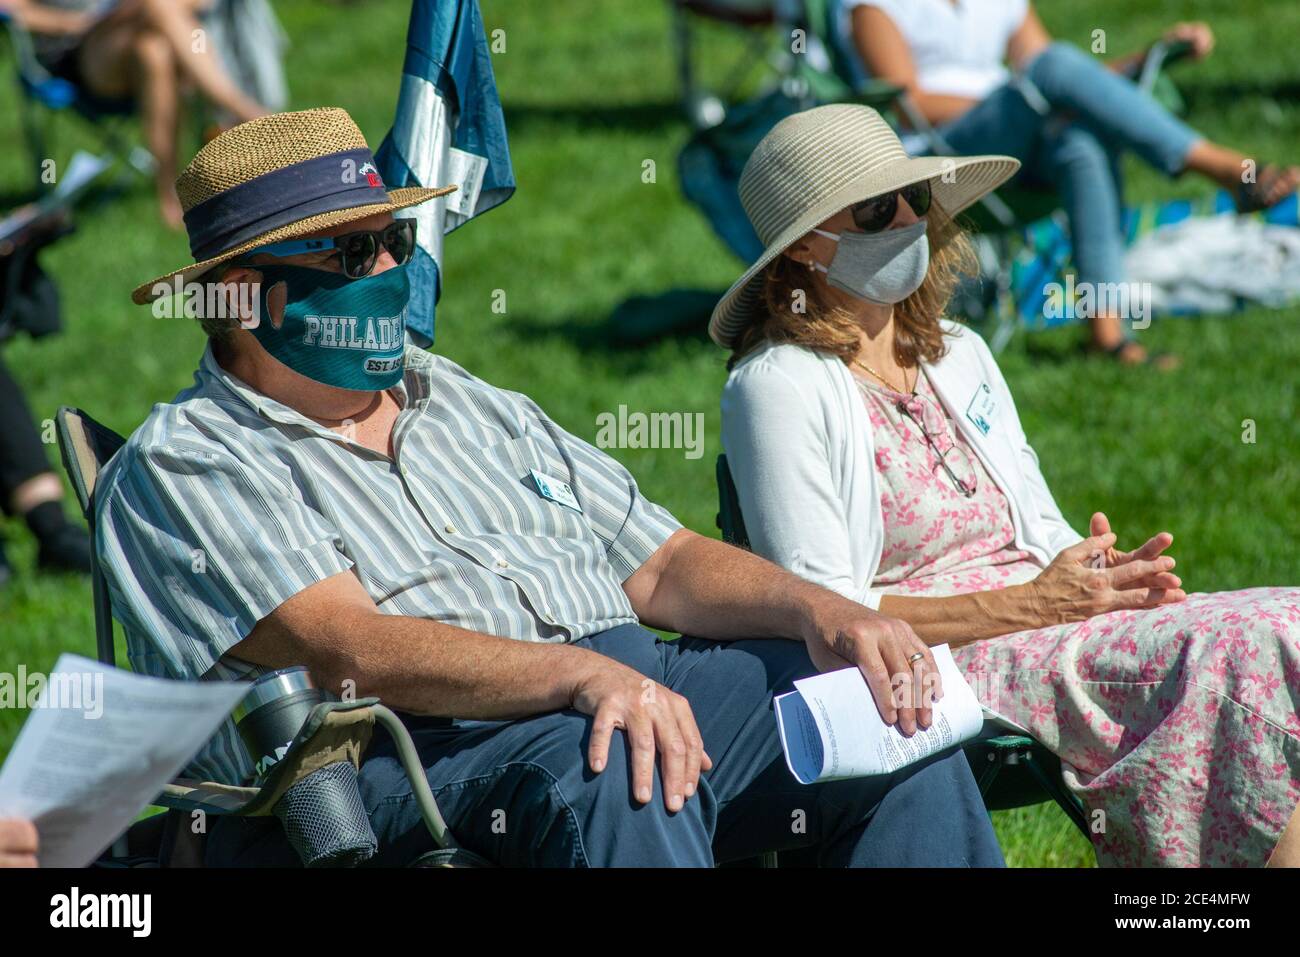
x,y
18,843
841,634
652,718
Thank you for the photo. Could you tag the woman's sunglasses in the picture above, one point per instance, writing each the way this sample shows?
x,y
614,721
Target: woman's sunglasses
x,y
357,251
874,214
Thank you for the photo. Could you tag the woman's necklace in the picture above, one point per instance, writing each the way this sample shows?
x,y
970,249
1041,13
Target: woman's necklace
x,y
888,385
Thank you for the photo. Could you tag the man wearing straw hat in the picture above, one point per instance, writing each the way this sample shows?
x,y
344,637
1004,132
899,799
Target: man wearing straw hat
x,y
325,496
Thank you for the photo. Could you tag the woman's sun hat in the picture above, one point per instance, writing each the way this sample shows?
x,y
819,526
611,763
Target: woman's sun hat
x,y
277,177
812,165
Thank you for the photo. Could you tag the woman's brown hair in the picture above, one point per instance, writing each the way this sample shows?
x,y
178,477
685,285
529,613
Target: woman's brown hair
x,y
793,310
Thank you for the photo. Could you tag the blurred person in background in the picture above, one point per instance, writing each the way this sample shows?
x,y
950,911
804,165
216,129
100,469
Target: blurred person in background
x,y
952,57
141,50
31,491
29,303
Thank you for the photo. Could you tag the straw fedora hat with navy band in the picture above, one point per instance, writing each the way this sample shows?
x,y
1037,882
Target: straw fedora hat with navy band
x,y
274,178
812,165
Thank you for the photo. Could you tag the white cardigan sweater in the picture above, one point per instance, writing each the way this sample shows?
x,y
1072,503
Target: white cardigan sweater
x,y
799,445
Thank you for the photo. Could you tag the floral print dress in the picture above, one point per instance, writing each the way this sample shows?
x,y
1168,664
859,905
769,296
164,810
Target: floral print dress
x,y
1179,724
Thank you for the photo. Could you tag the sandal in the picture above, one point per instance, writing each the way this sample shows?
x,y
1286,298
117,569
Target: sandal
x,y
1256,196
1163,361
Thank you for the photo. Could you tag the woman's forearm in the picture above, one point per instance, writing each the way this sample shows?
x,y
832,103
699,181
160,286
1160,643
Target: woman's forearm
x,y
939,108
960,619
51,21
1123,65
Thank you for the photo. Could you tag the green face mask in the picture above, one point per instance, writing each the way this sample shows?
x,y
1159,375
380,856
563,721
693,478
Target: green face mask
x,y
348,333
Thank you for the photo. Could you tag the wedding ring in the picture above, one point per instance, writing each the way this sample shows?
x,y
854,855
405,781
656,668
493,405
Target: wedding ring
x,y
913,659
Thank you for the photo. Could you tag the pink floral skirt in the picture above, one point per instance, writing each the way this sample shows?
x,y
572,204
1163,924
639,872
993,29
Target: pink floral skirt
x,y
1178,724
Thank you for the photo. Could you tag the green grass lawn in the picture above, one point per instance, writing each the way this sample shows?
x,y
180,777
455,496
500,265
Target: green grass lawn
x,y
588,88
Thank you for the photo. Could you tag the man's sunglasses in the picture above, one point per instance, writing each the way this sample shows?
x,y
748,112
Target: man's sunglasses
x,y
874,214
357,251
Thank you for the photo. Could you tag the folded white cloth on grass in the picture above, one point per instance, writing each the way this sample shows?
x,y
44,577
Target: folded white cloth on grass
x,y
1206,264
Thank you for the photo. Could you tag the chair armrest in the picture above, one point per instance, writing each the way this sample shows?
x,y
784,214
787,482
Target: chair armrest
x,y
335,731
877,94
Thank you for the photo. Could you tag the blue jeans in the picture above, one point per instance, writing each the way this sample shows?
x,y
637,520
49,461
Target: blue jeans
x,y
520,792
1094,116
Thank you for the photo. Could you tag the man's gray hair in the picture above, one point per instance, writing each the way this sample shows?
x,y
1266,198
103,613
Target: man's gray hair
x,y
221,327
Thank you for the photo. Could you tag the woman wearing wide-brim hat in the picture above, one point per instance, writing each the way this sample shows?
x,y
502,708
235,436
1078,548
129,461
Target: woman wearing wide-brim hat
x,y
877,450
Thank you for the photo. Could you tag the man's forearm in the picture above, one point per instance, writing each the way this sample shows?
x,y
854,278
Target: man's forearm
x,y
709,589
427,667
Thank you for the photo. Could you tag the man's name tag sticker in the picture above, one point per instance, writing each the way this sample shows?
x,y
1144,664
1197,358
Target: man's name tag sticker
x,y
555,490
981,409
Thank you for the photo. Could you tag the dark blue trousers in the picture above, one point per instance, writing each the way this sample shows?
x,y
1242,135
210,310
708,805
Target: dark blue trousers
x,y
520,792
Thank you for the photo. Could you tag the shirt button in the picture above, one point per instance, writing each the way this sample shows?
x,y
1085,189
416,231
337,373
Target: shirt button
x,y
449,529
502,563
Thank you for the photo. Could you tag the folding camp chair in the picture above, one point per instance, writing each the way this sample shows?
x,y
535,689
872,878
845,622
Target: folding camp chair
x,y
39,92
335,730
1012,770
753,17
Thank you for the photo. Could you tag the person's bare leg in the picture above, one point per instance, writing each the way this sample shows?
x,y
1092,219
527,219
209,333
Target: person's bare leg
x,y
1287,852
1107,336
105,58
175,20
159,95
37,490
1228,168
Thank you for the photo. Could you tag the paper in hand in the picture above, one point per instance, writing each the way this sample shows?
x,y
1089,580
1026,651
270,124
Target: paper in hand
x,y
97,748
830,727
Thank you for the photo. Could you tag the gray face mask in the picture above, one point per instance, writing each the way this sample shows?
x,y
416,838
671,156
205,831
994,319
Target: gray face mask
x,y
884,267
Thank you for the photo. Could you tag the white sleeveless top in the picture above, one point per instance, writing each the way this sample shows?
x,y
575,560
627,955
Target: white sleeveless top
x,y
958,47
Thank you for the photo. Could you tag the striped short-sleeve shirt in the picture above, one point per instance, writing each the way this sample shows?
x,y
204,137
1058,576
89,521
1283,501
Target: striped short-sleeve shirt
x,y
225,503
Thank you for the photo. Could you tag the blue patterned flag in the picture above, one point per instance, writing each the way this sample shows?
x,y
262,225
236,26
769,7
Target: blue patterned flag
x,y
448,129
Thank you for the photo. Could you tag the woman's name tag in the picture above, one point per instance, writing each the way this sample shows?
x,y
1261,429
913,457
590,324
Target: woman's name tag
x,y
981,409
555,490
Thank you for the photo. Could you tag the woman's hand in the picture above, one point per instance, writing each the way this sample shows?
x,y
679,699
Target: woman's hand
x,y
1155,545
1198,34
1093,578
